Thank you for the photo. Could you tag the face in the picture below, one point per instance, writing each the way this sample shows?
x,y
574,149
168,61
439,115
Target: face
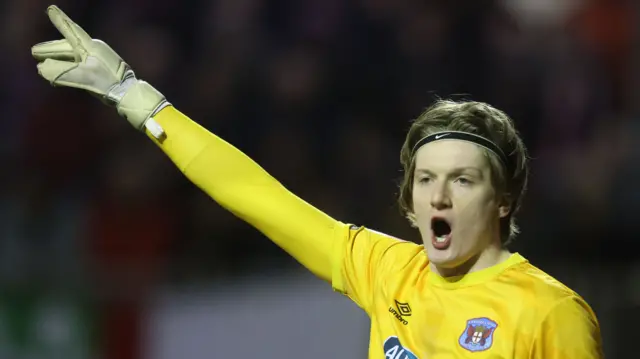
x,y
455,205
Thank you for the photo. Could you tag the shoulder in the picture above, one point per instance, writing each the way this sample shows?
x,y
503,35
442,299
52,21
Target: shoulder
x,y
383,242
552,298
389,254
563,322
546,289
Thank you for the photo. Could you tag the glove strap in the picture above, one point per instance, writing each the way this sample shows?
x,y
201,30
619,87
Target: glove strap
x,y
117,91
139,103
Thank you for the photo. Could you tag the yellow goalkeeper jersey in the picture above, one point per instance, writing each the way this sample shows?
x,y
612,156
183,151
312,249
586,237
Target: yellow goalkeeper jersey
x,y
510,310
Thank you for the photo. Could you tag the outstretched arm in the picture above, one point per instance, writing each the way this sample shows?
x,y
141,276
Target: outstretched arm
x,y
240,185
226,174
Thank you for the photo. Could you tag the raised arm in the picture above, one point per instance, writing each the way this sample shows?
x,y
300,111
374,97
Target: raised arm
x,y
241,186
226,174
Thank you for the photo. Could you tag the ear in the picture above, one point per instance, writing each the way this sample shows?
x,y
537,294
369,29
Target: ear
x,y
504,207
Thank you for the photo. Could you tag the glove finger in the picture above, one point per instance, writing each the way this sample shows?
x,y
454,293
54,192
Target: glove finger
x,y
51,70
56,49
77,37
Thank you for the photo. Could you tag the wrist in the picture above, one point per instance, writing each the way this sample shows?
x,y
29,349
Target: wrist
x,y
117,91
139,102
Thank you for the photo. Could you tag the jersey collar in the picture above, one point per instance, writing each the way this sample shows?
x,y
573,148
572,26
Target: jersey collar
x,y
477,277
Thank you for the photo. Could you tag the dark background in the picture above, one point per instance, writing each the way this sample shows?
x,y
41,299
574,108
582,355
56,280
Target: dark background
x,y
320,93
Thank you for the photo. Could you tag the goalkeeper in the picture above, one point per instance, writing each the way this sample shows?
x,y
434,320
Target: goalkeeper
x,y
461,294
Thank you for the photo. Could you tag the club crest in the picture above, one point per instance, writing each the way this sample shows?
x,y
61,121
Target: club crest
x,y
478,335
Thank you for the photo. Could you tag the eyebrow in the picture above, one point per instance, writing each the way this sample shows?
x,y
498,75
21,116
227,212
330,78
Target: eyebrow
x,y
455,170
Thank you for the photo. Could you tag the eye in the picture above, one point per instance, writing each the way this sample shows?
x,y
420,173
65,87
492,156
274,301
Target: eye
x,y
463,181
424,179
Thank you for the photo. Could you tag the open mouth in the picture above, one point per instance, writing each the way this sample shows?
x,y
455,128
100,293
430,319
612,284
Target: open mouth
x,y
441,232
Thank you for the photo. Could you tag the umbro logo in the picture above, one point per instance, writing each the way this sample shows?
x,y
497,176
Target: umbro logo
x,y
401,311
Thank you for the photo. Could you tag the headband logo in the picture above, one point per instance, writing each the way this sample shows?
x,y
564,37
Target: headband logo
x,y
441,135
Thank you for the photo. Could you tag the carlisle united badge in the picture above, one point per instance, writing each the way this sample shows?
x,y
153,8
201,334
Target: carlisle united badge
x,y
478,335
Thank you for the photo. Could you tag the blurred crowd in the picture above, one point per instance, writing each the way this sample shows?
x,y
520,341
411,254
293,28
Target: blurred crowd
x,y
320,93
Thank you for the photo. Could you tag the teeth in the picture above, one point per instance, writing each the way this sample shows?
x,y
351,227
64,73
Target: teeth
x,y
441,239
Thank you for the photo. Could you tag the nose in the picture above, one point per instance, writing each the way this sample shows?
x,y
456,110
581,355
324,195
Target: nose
x,y
440,197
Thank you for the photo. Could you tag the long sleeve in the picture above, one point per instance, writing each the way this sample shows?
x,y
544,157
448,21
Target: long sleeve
x,y
244,188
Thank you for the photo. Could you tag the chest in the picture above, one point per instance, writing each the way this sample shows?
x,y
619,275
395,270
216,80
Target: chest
x,y
453,324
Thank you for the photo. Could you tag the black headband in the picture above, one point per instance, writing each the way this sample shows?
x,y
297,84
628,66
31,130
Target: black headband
x,y
464,136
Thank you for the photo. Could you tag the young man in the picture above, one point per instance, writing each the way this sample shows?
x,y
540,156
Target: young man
x,y
460,295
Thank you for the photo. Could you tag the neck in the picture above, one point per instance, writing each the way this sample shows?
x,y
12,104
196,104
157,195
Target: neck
x,y
491,256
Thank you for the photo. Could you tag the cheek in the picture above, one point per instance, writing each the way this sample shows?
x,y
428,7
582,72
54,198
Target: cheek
x,y
478,210
490,203
421,202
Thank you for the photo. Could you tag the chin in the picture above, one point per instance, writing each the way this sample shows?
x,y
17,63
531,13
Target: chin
x,y
447,258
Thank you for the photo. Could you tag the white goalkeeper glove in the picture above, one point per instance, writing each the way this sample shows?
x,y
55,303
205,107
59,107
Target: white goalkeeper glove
x,y
81,62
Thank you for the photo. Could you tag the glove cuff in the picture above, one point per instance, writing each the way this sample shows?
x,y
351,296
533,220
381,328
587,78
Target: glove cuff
x,y
139,103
